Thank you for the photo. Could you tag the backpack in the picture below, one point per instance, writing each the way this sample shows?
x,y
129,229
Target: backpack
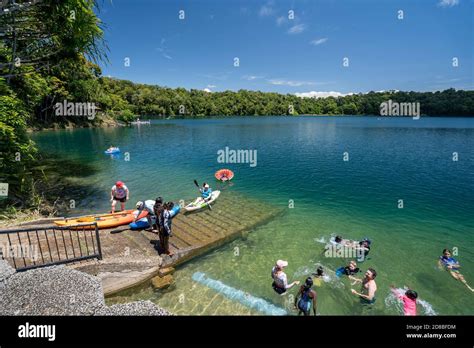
x,y
159,216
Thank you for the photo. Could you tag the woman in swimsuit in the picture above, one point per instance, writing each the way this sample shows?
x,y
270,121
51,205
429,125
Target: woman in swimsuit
x,y
306,298
452,265
280,281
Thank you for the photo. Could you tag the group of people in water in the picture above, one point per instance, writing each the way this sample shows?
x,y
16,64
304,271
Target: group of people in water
x,y
306,298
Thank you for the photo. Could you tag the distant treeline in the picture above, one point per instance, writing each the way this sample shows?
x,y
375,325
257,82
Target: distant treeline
x,y
150,100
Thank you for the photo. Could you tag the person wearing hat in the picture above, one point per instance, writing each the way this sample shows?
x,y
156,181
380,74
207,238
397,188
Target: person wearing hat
x,y
149,206
206,191
306,298
119,193
280,281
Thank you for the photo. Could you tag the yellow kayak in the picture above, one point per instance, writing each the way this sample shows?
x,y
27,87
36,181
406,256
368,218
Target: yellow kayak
x,y
103,220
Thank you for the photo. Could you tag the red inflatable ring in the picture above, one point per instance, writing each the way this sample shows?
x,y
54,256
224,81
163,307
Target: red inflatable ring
x,y
224,174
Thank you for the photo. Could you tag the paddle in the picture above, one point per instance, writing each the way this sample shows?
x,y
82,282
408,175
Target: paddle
x,y
197,185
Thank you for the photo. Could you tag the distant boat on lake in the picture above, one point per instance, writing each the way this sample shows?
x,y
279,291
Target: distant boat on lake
x,y
137,121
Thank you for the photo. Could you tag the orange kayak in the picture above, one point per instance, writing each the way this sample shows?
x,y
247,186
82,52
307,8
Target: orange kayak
x,y
224,175
103,220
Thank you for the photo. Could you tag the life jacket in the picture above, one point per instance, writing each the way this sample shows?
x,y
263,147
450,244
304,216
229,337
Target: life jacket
x,y
166,221
159,214
348,271
206,193
448,261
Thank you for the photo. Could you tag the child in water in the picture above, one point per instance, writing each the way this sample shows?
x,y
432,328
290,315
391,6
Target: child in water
x,y
306,298
408,299
452,265
318,276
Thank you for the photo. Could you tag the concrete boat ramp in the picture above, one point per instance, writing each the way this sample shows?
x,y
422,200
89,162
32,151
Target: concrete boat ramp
x,y
130,258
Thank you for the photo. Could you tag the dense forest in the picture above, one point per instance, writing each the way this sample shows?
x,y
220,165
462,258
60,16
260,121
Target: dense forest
x,y
142,99
50,52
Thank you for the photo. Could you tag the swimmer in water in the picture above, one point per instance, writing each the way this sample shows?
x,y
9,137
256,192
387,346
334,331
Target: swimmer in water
x,y
319,272
318,276
369,287
408,299
452,266
306,298
351,268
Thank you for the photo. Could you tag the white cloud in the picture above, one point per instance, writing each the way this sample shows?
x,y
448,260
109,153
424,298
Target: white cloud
x,y
317,42
207,90
281,82
251,77
217,76
314,94
448,3
266,10
280,20
297,29
164,51
211,86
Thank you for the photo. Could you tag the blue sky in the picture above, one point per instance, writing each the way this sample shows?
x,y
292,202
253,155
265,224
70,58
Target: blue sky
x,y
292,55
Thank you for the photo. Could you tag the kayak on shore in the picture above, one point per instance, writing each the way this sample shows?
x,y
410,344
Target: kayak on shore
x,y
199,203
143,222
102,220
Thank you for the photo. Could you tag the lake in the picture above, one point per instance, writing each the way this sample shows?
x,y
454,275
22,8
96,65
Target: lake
x,y
406,184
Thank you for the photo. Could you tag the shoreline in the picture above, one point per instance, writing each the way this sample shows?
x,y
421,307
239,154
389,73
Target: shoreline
x,y
103,123
112,123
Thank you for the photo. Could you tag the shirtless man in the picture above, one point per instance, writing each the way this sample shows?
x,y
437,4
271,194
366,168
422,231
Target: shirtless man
x,y
367,295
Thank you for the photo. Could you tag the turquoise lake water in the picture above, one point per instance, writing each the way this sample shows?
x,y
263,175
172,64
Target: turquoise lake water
x,y
301,159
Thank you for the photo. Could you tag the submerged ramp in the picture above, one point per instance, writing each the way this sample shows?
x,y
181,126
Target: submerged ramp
x,y
242,297
130,257
232,215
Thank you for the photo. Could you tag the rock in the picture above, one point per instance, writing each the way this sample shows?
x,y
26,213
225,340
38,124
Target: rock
x,y
165,271
162,282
